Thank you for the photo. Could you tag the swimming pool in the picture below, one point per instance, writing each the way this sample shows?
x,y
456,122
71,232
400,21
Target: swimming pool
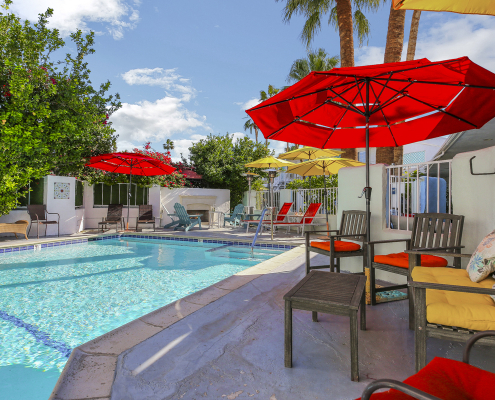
x,y
58,298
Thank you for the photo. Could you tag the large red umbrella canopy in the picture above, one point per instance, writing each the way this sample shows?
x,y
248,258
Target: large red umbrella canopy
x,y
130,164
407,102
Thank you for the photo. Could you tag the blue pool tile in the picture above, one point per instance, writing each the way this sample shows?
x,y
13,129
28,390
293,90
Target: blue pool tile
x,y
8,250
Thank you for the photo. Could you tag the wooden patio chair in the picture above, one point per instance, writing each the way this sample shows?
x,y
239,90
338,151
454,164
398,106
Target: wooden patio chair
x,y
441,379
114,217
352,227
185,220
39,216
145,216
448,305
442,232
235,216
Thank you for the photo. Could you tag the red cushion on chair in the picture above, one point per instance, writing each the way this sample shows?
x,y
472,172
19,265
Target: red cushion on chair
x,y
402,260
339,246
447,380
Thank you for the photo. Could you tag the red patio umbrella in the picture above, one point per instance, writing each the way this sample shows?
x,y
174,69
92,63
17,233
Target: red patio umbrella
x,y
379,105
132,164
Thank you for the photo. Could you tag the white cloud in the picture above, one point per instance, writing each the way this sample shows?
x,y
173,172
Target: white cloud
x,y
248,104
156,121
443,39
166,78
182,146
69,15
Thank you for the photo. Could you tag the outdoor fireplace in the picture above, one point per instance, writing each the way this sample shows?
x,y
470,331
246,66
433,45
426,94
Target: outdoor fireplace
x,y
199,205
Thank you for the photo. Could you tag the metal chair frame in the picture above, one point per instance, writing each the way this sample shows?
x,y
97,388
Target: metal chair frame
x,y
36,211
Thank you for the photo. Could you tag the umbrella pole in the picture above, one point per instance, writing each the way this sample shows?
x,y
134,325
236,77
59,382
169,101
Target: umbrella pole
x,y
326,199
367,189
129,197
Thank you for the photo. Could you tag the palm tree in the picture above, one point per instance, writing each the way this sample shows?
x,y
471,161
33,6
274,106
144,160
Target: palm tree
x,y
340,15
316,60
272,91
250,125
413,35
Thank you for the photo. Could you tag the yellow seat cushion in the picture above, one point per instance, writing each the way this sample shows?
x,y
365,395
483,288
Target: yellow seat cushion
x,y
463,310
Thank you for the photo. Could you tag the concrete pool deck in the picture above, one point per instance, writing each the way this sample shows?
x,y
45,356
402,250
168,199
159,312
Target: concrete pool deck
x,y
226,342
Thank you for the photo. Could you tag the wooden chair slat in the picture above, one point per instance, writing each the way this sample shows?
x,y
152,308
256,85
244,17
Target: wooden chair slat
x,y
439,232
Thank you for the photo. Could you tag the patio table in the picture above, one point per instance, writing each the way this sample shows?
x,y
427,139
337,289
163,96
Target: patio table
x,y
211,221
331,293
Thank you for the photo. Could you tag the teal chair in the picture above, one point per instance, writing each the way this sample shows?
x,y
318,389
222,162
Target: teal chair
x,y
184,219
235,216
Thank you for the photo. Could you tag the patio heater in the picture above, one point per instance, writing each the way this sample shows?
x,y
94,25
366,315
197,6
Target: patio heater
x,y
271,177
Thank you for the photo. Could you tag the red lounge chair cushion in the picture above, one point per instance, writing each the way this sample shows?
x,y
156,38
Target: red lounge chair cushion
x,y
402,260
447,380
339,246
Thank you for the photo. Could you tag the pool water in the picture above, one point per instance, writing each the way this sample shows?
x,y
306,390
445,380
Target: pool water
x,y
56,299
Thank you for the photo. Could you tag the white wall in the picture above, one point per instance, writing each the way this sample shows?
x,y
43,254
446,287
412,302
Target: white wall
x,y
171,196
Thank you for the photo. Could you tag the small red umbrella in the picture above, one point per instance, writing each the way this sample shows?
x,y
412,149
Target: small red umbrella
x,y
131,164
379,105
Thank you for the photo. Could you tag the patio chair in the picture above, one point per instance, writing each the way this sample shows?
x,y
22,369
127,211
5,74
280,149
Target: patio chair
x,y
306,220
39,216
441,379
114,217
442,232
282,214
172,216
448,305
145,216
235,216
185,220
352,227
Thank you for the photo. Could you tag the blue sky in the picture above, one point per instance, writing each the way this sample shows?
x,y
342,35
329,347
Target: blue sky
x,y
188,68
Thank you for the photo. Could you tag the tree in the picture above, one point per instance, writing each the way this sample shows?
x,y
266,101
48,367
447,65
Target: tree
x,y
250,125
221,161
413,35
51,118
316,60
340,15
393,53
168,145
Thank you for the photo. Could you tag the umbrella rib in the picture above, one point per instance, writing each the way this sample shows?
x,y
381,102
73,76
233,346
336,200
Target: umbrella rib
x,y
386,120
359,91
438,83
393,99
380,94
338,123
431,64
435,108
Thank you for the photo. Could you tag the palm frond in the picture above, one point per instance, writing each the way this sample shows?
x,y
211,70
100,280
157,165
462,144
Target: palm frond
x,y
361,27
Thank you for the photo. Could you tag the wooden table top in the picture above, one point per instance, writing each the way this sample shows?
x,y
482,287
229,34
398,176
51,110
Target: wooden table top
x,y
333,288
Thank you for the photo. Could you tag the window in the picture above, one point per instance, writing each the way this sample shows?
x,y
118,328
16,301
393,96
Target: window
x,y
35,195
103,195
416,157
79,193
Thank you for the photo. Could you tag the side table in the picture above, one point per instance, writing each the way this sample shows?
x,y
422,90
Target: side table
x,y
331,293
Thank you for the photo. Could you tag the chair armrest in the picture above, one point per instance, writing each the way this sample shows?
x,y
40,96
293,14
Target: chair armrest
x,y
401,387
451,288
388,241
325,231
345,236
55,214
434,252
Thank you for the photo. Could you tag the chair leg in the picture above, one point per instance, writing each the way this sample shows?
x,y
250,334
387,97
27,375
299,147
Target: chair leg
x,y
420,328
372,286
30,226
332,263
410,296
337,265
314,316
38,230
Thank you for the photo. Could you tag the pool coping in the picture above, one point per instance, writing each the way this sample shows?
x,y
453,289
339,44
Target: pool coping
x,y
90,369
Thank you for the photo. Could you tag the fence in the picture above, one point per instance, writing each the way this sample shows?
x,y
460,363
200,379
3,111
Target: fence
x,y
263,199
302,198
417,188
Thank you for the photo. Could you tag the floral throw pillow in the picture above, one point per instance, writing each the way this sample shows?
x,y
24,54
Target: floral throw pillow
x,y
482,262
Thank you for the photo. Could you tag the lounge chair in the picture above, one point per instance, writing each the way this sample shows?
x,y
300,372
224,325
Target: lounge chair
x,y
306,220
173,217
185,220
441,379
352,227
432,231
114,217
145,216
235,216
282,214
39,216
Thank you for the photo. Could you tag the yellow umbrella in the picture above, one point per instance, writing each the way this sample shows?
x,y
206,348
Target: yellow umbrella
x,y
269,162
323,166
457,6
309,153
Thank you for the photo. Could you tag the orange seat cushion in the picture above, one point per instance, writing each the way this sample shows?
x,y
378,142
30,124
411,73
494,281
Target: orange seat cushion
x,y
402,260
447,380
339,246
